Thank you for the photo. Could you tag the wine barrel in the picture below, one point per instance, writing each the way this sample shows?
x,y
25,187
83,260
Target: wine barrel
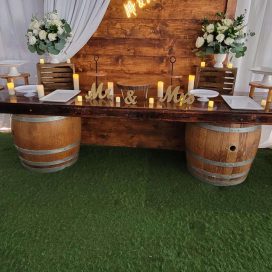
x,y
46,143
221,154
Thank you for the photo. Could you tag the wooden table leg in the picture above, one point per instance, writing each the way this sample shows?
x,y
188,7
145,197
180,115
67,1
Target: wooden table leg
x,y
26,80
252,90
268,100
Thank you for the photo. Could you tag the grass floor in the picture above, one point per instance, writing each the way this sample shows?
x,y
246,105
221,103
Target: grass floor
x,y
123,209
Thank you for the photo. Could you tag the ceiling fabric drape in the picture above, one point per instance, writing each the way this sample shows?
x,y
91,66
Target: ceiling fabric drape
x,y
84,17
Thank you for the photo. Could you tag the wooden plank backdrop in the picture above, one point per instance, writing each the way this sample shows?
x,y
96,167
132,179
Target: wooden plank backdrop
x,y
140,48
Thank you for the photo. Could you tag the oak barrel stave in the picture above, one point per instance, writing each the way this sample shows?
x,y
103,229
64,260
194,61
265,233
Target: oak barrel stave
x,y
221,154
46,143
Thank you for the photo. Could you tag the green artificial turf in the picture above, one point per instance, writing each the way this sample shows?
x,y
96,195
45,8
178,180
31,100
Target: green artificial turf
x,y
140,210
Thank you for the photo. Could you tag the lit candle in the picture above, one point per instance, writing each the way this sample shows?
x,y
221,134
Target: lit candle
x,y
202,64
160,89
230,65
191,82
41,61
76,81
211,104
263,103
79,98
68,61
40,90
111,88
10,86
151,100
118,99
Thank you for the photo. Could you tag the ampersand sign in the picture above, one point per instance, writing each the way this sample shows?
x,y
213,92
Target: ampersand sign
x,y
130,98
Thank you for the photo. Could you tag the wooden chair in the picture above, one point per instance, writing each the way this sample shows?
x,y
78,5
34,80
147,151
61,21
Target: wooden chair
x,y
219,79
56,76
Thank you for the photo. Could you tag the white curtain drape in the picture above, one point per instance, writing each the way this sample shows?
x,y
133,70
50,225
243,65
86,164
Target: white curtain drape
x,y
259,50
15,16
84,17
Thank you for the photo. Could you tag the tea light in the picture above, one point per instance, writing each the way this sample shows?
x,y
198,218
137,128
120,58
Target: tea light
x,y
191,82
151,100
118,99
40,90
68,61
111,88
76,81
10,86
41,61
202,64
230,65
211,104
160,88
263,103
79,98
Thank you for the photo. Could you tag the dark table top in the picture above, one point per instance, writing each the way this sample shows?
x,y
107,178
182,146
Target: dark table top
x,y
198,112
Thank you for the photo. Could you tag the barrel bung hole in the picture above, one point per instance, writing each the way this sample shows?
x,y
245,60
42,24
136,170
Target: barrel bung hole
x,y
232,148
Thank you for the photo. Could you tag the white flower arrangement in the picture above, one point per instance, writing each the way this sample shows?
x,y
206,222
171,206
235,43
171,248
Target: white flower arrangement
x,y
222,36
48,35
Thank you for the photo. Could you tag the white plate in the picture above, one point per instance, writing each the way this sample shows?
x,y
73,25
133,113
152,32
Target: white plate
x,y
60,96
241,102
26,89
204,94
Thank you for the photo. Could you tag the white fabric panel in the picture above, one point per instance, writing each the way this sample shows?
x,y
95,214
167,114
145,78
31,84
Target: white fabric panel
x,y
259,50
15,17
84,17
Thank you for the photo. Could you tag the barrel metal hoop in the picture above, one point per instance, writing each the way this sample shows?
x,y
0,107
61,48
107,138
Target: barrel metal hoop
x,y
37,120
218,176
217,163
228,129
47,152
51,163
49,170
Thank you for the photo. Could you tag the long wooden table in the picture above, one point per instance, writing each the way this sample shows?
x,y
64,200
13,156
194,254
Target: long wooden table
x,y
220,148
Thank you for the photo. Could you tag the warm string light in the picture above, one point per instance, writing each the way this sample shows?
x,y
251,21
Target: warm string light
x,y
131,6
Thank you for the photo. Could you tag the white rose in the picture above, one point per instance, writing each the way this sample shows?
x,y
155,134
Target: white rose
x,y
60,30
52,36
220,37
42,34
35,32
229,41
221,28
54,16
210,38
205,35
199,42
32,40
35,24
227,22
210,28
56,22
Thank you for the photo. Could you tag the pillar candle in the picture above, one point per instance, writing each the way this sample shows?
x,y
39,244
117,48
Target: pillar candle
x,y
202,64
230,65
160,89
41,61
151,100
211,104
10,86
68,61
118,99
191,82
111,88
40,90
79,98
76,81
263,103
